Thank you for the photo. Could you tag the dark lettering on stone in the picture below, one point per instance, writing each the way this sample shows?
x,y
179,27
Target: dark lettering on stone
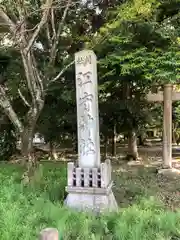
x,y
85,121
83,60
84,78
86,98
87,147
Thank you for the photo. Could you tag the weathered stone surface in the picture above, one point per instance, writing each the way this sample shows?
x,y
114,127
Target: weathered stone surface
x,y
91,188
49,234
87,109
169,171
134,163
92,202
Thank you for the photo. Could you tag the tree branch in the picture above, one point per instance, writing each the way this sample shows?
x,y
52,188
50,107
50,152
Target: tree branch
x,y
48,35
61,73
53,23
9,111
56,38
7,21
43,21
23,98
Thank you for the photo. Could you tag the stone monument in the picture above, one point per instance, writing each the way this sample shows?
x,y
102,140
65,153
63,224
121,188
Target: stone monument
x,y
89,182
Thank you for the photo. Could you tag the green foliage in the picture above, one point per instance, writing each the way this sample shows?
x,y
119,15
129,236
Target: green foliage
x,y
78,26
7,142
137,44
58,118
137,50
176,112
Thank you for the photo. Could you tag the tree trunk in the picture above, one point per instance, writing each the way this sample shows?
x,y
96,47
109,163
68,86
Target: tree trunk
x,y
105,147
173,133
132,146
34,81
141,139
141,143
36,89
114,141
52,152
174,137
27,145
27,136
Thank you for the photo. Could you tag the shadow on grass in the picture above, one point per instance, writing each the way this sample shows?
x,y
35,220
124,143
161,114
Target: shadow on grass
x,y
134,182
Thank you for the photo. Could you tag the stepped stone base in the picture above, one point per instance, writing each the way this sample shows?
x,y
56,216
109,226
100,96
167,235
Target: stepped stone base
x,y
90,189
91,200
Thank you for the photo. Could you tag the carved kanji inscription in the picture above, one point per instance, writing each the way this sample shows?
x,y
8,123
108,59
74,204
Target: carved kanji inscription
x,y
87,109
84,78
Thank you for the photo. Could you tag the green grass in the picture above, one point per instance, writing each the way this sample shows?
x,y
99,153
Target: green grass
x,y
25,210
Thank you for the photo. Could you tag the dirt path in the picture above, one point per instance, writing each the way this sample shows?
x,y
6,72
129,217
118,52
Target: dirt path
x,y
133,182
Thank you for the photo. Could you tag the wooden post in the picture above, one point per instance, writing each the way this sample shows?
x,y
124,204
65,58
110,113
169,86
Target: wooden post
x,y
167,96
49,234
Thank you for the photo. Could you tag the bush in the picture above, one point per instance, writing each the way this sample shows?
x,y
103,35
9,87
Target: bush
x,y
7,142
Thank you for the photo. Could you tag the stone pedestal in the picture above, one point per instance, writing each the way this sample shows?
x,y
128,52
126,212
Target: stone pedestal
x,y
90,189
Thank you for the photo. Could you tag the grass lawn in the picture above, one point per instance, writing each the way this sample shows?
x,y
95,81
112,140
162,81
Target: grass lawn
x,y
149,206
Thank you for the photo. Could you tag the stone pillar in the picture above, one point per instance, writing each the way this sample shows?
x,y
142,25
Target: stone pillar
x,y
89,182
87,109
167,127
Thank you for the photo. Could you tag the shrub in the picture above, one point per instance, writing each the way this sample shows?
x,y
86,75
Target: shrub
x,y
7,142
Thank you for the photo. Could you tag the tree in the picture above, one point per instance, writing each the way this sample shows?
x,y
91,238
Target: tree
x,y
138,53
41,34
25,32
58,118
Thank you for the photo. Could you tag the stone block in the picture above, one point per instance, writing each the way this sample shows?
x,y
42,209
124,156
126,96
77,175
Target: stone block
x,y
49,234
92,189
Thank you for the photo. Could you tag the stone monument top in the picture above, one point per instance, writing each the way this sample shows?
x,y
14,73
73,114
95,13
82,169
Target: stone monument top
x,y
87,109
